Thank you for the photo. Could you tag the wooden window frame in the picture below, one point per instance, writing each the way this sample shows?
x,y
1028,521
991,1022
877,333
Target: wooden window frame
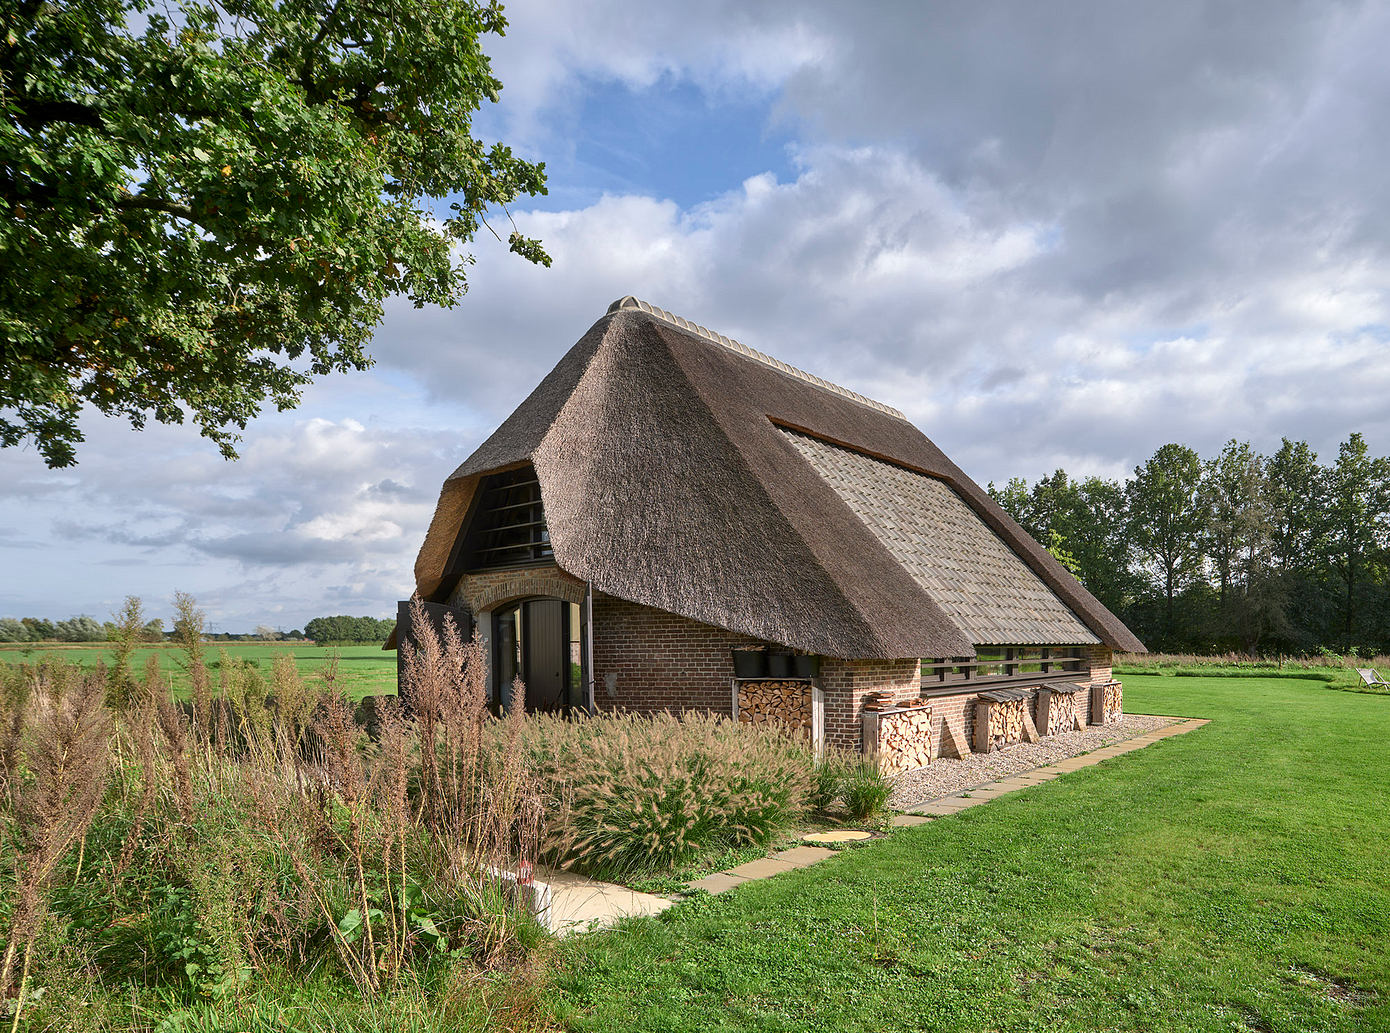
x,y
1003,665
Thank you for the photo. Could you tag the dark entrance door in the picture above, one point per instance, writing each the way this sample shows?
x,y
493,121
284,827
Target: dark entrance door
x,y
545,651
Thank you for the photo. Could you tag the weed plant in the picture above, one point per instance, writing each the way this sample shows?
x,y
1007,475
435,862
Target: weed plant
x,y
852,780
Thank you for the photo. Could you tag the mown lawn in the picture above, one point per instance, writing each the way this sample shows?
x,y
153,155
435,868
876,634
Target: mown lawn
x,y
362,670
1234,878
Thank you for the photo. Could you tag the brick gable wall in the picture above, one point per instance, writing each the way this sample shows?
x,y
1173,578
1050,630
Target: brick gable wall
x,y
656,660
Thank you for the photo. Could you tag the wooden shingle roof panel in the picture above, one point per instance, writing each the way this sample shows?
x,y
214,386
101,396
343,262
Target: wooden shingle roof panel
x,y
979,581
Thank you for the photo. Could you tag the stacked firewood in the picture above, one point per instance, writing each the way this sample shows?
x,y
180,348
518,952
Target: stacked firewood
x,y
998,723
762,702
884,701
904,739
1058,712
1111,702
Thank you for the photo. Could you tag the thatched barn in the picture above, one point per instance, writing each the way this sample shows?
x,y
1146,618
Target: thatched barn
x,y
668,503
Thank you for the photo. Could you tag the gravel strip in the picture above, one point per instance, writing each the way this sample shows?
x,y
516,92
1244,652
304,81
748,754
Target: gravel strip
x,y
944,777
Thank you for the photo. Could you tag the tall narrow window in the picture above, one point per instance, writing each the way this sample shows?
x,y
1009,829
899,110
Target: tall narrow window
x,y
508,526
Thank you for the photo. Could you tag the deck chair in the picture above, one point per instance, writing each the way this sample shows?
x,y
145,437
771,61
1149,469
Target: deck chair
x,y
1370,677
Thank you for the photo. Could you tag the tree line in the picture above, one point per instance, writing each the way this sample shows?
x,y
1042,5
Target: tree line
x,y
1242,551
344,629
84,628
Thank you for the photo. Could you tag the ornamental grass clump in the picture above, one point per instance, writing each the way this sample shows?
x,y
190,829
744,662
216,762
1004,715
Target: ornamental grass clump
x,y
633,794
853,781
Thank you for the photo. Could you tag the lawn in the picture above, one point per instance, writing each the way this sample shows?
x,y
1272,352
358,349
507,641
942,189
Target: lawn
x,y
362,670
1234,878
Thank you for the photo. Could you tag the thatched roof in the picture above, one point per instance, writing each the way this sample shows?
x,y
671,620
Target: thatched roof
x,y
669,479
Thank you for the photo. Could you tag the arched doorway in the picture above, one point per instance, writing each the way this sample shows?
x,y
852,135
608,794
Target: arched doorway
x,y
538,641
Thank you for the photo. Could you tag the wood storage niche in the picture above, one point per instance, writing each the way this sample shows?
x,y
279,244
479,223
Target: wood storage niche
x,y
999,718
1107,703
788,702
899,737
1057,707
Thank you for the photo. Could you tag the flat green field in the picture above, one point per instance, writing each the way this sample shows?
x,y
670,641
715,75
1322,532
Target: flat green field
x,y
1235,878
362,670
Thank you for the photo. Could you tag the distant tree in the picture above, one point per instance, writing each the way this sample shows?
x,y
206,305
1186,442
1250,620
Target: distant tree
x,y
1166,522
153,631
12,630
1293,486
1016,500
1057,549
1357,522
1082,524
78,629
190,626
40,630
1232,500
323,630
266,633
1099,540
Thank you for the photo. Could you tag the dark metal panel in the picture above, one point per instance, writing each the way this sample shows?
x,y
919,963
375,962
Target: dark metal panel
x,y
586,646
547,654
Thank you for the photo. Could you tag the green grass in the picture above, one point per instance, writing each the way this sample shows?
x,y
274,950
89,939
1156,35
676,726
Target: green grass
x,y
1233,878
362,670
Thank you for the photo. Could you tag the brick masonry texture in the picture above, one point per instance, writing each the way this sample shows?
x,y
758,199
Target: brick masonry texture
x,y
654,660
959,710
485,591
848,682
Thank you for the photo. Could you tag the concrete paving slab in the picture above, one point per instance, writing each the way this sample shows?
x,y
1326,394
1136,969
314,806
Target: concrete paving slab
x,y
936,808
718,882
907,821
838,836
763,868
571,903
801,856
987,792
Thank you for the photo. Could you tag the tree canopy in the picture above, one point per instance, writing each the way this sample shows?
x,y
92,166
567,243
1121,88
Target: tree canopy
x,y
348,629
1241,551
207,202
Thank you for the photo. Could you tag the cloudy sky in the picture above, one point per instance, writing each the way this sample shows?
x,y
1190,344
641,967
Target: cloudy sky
x,y
1054,235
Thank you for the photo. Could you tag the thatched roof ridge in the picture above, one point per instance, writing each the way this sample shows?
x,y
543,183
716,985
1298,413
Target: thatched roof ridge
x,y
668,481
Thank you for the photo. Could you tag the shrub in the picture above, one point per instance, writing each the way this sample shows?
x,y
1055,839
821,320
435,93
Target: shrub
x,y
178,851
865,790
827,781
640,794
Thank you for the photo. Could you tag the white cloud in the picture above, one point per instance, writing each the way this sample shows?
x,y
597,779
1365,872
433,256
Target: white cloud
x,y
1052,238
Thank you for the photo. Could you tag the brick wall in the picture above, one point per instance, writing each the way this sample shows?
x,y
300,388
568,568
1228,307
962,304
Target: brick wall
x,y
959,710
656,660
848,682
490,588
1101,660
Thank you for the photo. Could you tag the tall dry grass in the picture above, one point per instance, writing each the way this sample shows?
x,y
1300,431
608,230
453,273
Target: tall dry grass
x,y
255,830
1325,660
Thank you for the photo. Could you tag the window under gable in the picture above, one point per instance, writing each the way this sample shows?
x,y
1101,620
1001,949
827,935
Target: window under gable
x,y
508,527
